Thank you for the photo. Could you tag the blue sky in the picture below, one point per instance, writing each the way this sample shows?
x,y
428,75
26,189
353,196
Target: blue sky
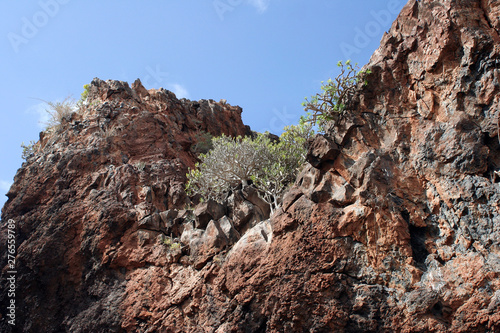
x,y
263,55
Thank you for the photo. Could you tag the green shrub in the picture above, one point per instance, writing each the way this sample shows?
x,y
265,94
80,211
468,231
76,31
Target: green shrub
x,y
175,246
268,164
286,157
333,101
171,244
231,162
85,94
140,165
28,150
203,143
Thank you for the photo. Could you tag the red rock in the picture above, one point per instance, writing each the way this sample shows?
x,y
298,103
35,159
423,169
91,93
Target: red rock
x,y
206,211
87,204
395,230
320,150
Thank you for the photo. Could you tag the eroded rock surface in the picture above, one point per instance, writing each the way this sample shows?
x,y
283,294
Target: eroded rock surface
x,y
392,226
97,200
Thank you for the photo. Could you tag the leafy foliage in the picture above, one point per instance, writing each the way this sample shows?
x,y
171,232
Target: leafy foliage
x,y
231,162
286,157
28,150
172,244
85,94
269,165
333,101
203,143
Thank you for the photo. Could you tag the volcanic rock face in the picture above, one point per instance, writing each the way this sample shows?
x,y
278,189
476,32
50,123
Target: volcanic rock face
x,y
400,229
393,225
98,190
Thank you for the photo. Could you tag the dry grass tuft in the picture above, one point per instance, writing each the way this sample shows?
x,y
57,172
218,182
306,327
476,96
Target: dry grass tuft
x,y
59,111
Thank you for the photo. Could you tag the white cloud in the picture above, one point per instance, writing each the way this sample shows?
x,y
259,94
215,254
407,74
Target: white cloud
x,y
5,185
179,90
261,5
40,111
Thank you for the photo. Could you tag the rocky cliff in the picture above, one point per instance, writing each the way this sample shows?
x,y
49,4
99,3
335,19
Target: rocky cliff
x,y
393,225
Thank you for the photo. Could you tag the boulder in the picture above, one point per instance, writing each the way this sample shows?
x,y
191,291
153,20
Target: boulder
x,y
206,211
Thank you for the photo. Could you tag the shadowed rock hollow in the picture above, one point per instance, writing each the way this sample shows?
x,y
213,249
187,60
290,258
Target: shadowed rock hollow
x,y
393,225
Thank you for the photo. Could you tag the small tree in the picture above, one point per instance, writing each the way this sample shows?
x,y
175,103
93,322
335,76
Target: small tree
x,y
287,155
271,166
231,162
333,101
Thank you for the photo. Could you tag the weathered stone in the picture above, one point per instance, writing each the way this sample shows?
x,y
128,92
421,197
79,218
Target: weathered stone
x,y
190,234
205,244
151,222
243,213
261,208
206,211
214,238
228,229
171,222
259,236
320,150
